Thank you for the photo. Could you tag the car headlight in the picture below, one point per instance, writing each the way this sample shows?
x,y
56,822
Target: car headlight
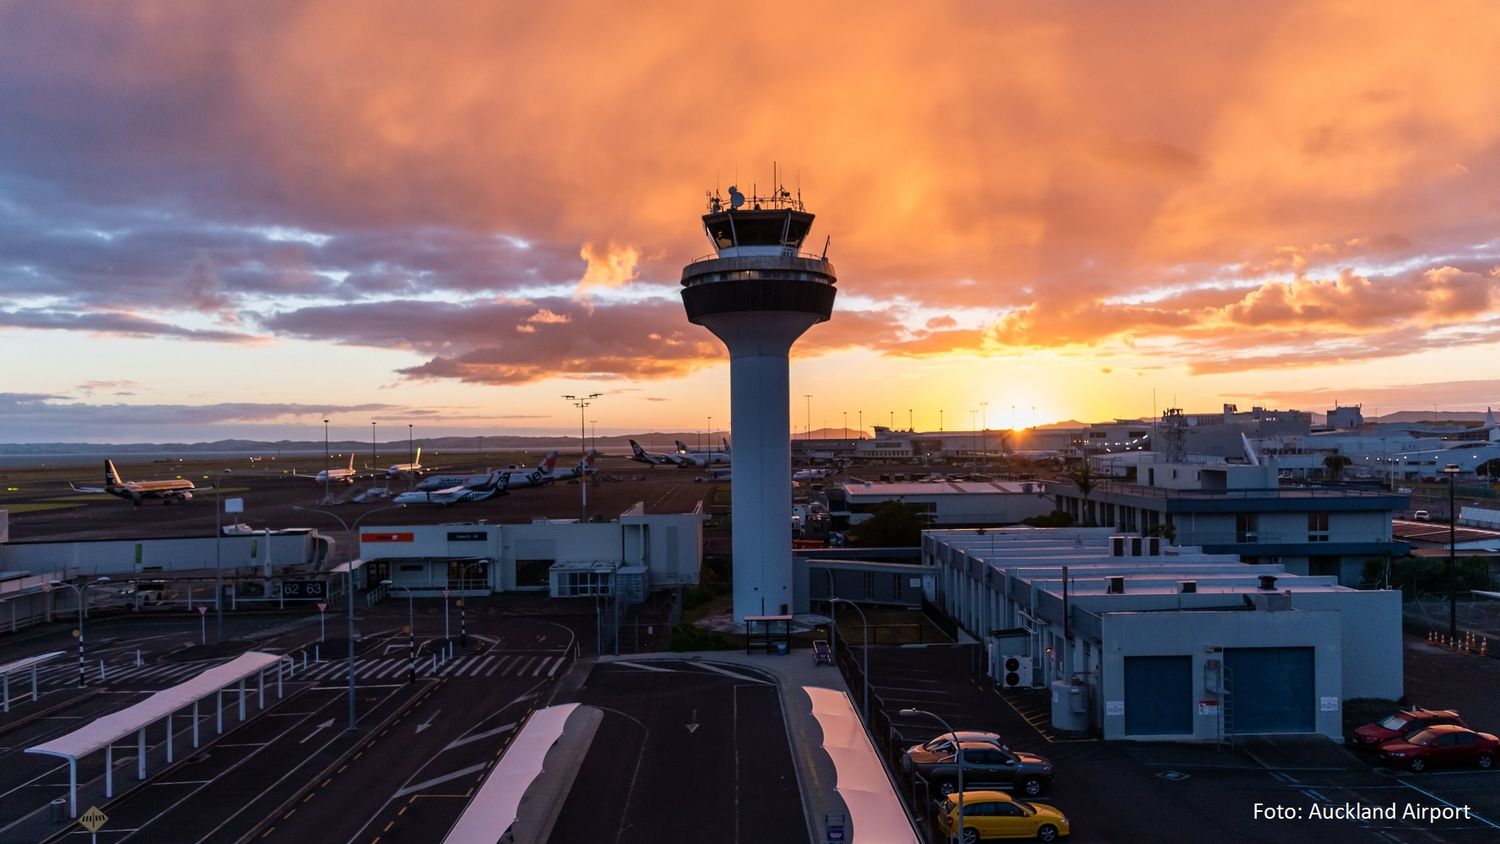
x,y
1397,753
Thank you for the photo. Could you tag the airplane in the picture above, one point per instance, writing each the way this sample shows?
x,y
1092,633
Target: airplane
x,y
343,476
817,474
487,486
651,458
1037,455
412,468
702,458
179,489
542,474
435,482
584,467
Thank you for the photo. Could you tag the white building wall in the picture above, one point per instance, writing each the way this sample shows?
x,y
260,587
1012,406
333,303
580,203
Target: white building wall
x,y
129,557
1165,634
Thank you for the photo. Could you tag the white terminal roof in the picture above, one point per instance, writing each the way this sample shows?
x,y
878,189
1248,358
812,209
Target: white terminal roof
x,y
860,777
132,719
493,809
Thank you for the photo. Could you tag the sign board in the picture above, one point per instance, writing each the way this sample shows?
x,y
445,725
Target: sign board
x,y
322,607
467,536
1114,707
1208,707
304,590
93,819
834,826
1328,704
234,505
202,609
387,537
445,593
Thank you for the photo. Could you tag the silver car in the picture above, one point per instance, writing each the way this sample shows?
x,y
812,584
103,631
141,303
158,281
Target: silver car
x,y
942,745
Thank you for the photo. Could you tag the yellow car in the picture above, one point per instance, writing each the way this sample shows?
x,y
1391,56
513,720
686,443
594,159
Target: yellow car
x,y
992,815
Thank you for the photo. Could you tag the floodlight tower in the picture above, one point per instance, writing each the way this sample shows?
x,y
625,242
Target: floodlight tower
x,y
758,293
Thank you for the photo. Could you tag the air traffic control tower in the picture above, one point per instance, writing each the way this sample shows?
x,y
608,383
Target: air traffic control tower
x,y
758,293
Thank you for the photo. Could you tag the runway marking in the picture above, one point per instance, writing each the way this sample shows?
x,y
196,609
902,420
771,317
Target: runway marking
x,y
541,665
1470,812
727,673
497,666
479,736
411,789
642,666
482,663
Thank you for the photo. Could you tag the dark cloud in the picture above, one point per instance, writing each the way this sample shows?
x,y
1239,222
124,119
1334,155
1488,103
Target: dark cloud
x,y
113,323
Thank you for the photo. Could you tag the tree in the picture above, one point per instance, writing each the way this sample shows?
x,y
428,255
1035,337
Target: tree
x,y
1334,464
893,525
1082,476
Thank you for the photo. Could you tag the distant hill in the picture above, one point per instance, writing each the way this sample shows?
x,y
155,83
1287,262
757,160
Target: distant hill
x,y
1410,416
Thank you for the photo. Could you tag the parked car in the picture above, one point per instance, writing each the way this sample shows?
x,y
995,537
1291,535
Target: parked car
x,y
985,765
1443,744
942,745
995,814
1399,725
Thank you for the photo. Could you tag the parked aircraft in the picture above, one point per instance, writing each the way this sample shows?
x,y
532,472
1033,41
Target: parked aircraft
x,y
488,486
584,467
412,468
179,489
343,476
542,474
433,482
817,474
688,457
651,458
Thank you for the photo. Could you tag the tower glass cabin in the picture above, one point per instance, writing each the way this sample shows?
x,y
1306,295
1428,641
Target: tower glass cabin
x,y
758,293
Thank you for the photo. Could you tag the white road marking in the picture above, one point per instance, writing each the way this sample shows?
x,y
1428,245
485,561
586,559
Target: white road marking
x,y
642,666
480,736
727,673
442,779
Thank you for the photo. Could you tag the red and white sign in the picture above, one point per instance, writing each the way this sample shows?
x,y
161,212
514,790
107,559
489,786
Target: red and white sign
x,y
445,593
386,537
322,607
202,610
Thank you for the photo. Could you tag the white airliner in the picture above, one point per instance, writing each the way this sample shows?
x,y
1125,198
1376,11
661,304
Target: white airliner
x,y
584,467
689,457
817,474
178,489
487,486
412,468
343,476
542,474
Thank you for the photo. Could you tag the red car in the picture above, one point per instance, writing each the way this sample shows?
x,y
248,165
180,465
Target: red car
x,y
1403,723
1443,744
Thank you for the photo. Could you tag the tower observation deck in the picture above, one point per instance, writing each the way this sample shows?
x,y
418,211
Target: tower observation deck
x,y
758,293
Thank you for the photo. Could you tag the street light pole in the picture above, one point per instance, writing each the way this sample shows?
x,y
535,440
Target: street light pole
x,y
349,534
957,759
808,396
411,628
582,402
866,650
1452,470
327,498
219,558
374,453
463,606
81,593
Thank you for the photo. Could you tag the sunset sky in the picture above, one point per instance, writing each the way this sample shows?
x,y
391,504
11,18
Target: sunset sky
x,y
239,218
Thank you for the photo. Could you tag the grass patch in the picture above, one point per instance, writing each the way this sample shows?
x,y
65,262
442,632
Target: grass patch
x,y
85,496
39,506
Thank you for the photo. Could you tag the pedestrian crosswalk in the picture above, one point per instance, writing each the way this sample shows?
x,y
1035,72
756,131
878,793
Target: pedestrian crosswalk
x,y
372,668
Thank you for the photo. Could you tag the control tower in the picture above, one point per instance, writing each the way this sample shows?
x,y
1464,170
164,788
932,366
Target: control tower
x,y
758,293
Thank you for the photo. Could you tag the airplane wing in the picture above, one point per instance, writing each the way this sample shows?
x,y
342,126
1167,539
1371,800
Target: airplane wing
x,y
88,488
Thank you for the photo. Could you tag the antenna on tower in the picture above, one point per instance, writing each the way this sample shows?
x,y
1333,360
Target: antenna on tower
x,y
825,247
736,199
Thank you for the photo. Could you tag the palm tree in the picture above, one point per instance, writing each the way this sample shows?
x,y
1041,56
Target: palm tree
x,y
1334,464
1082,476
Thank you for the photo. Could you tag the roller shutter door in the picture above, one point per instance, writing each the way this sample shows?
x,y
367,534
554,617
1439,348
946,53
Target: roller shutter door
x,y
1271,690
1158,695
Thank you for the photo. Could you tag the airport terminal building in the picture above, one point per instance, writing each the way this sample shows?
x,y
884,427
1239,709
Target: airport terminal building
x,y
1142,640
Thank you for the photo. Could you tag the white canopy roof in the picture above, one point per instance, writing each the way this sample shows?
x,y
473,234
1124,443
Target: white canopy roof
x,y
860,777
23,664
493,809
117,725
343,568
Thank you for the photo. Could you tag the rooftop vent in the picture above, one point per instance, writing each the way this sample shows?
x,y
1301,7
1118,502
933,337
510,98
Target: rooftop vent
x,y
1116,585
1268,582
1189,586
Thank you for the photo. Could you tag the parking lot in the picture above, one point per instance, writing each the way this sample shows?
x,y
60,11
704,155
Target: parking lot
x,y
1273,790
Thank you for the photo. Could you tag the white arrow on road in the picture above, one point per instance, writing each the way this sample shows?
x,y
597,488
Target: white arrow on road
x,y
323,726
428,723
693,724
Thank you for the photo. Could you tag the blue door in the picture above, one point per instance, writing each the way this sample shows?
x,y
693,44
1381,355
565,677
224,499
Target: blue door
x,y
1158,695
1272,689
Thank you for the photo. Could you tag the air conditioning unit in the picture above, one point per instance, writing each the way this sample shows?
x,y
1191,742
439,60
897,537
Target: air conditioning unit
x,y
1015,671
